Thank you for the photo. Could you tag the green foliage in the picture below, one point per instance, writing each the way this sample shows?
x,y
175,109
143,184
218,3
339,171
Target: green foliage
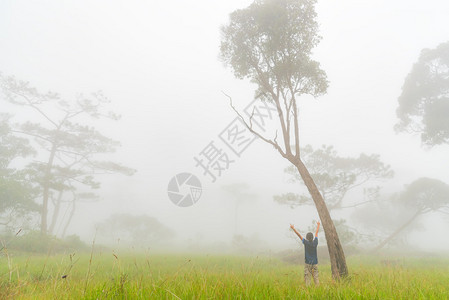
x,y
16,192
36,242
270,42
424,102
11,146
16,198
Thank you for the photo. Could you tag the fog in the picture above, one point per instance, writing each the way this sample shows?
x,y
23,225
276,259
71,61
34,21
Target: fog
x,y
158,63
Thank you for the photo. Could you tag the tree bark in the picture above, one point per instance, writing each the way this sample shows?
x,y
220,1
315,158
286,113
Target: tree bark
x,y
336,254
394,234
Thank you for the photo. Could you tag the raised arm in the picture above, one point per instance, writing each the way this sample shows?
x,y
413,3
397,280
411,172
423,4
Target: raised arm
x,y
317,228
296,231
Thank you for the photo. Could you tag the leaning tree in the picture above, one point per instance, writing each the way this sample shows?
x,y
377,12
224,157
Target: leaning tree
x,y
422,196
424,101
270,42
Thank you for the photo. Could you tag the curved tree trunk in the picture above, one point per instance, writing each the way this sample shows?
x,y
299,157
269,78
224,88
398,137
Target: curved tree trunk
x,y
336,254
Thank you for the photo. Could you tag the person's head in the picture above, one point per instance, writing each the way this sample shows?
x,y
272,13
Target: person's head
x,y
309,237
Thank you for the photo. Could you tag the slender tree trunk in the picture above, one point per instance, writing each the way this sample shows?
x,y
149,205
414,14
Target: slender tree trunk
x,y
55,213
336,254
70,218
46,186
394,234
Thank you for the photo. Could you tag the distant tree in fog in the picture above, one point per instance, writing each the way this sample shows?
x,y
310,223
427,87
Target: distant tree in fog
x,y
16,192
424,102
248,244
270,42
335,175
422,196
67,146
239,192
141,230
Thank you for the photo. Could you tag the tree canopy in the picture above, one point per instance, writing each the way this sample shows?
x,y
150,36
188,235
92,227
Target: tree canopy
x,y
270,42
424,102
425,195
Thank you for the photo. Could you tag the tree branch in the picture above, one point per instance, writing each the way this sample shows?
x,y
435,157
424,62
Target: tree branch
x,y
32,105
271,142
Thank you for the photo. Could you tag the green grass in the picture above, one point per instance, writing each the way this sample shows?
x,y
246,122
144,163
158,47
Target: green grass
x,y
187,276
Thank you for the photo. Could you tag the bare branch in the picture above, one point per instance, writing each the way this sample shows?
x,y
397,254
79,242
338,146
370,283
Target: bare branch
x,y
271,142
358,204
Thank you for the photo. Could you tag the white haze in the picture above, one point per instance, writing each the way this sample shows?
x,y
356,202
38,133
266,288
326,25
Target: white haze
x,y
158,63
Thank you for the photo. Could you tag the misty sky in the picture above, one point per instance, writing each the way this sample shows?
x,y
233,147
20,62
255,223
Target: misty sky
x,y
158,63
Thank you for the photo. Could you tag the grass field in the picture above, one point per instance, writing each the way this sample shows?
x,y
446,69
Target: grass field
x,y
110,275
